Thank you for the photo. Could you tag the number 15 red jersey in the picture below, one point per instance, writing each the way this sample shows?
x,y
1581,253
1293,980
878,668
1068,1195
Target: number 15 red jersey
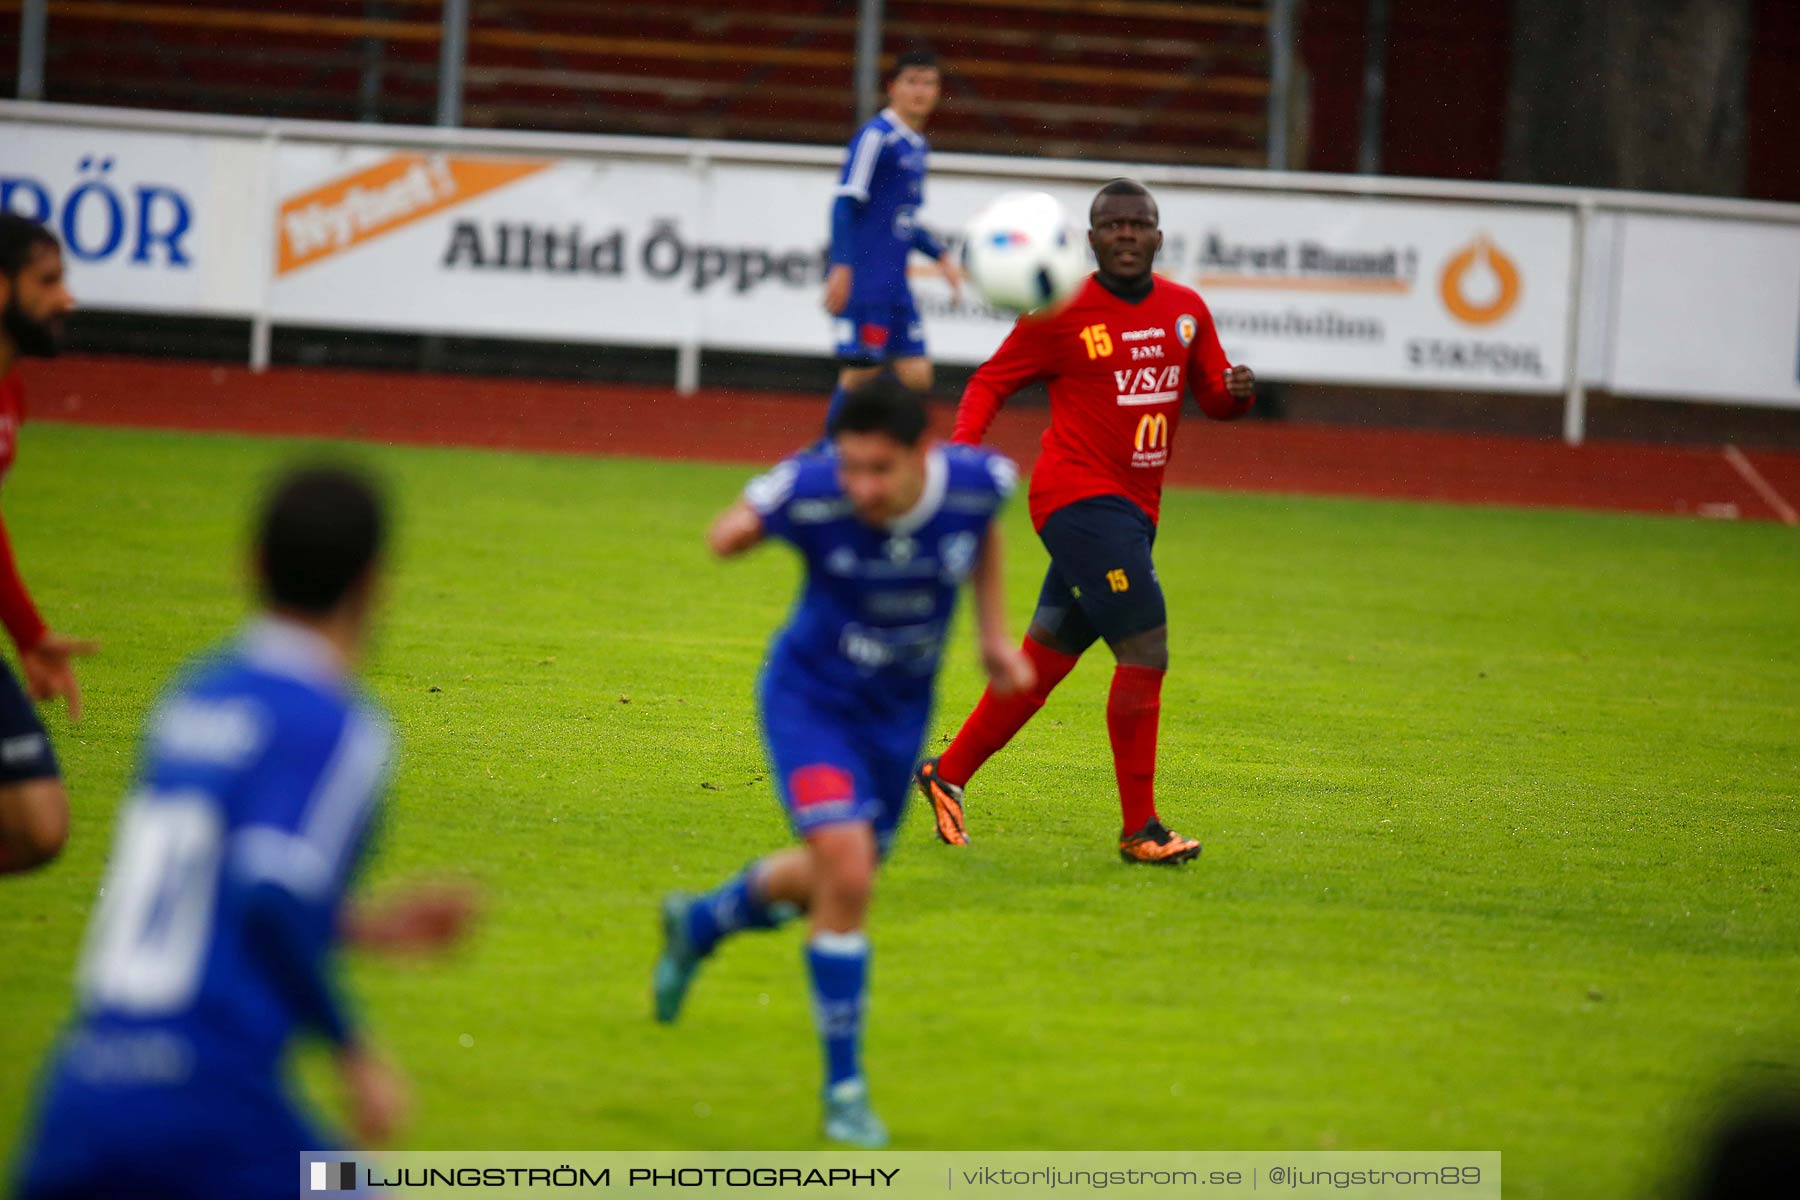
x,y
1116,371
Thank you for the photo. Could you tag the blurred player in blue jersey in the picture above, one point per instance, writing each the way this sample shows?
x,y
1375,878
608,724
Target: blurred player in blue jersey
x,y
212,945
889,526
874,228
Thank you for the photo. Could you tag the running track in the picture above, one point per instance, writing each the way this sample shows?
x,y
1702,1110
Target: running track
x,y
758,427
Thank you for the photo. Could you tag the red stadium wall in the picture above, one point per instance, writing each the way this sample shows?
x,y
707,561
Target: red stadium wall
x,y
1448,71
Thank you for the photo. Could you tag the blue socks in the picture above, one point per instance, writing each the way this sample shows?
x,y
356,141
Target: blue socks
x,y
836,963
732,906
839,966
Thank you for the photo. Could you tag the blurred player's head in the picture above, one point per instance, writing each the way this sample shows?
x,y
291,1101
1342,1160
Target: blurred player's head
x,y
1123,229
879,433
318,550
913,86
33,297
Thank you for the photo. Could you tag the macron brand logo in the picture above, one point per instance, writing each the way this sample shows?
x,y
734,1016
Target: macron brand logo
x,y
332,1177
1148,385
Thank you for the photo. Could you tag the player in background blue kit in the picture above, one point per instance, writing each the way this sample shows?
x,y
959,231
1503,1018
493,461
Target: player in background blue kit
x,y
889,526
213,942
874,228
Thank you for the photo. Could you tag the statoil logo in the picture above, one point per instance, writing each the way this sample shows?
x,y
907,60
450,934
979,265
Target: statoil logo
x,y
1480,283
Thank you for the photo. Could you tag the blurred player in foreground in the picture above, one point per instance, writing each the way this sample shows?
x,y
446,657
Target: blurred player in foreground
x,y
34,809
875,229
1117,361
213,942
889,526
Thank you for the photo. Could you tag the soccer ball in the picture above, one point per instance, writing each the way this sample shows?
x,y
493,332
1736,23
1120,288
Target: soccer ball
x,y
1023,253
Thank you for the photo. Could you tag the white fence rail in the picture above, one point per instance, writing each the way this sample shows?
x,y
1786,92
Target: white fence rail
x,y
692,244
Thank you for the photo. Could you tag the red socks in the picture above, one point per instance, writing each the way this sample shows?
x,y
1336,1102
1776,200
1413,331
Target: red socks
x,y
1132,709
997,718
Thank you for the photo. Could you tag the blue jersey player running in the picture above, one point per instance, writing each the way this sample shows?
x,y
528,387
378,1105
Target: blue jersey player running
x,y
212,943
889,526
875,228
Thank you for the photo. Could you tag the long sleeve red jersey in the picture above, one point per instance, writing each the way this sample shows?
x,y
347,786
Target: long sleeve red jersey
x,y
17,612
1116,370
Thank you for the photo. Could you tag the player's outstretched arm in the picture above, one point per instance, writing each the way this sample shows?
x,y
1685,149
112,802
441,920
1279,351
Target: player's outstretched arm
x,y
1006,665
926,243
735,530
425,916
375,1093
1023,358
49,673
1223,391
44,657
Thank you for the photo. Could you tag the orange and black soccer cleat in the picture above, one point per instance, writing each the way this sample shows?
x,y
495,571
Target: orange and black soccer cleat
x,y
1158,846
946,803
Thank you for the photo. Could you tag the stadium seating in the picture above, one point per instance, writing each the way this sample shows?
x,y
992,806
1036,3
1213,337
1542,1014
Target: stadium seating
x,y
1148,80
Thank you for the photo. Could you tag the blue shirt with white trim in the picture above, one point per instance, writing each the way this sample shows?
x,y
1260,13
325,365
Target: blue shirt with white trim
x,y
867,632
261,775
874,223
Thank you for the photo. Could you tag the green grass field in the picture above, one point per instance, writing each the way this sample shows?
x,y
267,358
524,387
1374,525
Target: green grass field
x,y
1500,811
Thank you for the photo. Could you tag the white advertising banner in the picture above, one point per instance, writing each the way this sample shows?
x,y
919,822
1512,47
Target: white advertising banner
x,y
1707,310
160,222
1343,290
664,251
507,247
732,256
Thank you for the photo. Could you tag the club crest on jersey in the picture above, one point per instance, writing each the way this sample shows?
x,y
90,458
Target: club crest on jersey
x,y
1185,328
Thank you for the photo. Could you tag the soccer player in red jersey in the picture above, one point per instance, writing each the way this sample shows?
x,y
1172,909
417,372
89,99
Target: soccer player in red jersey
x,y
1116,360
34,810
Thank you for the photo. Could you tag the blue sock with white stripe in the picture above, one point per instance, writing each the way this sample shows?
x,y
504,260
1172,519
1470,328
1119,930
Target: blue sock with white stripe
x,y
839,966
734,905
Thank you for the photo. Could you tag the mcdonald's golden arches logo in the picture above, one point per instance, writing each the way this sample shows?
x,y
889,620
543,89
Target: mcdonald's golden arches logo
x,y
1490,303
1152,431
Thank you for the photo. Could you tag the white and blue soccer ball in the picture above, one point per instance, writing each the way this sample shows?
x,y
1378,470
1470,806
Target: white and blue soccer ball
x,y
1023,253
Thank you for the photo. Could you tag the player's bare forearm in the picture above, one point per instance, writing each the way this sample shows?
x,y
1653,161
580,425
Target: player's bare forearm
x,y
424,917
988,583
1006,665
376,1093
735,530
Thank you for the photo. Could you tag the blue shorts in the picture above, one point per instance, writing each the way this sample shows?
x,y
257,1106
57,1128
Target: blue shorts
x,y
24,746
1101,582
226,1140
832,767
870,334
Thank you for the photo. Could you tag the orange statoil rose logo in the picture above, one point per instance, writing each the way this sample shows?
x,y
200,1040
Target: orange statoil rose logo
x,y
1480,283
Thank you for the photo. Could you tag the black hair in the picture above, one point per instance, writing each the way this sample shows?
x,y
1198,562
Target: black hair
x,y
322,528
913,58
883,405
1754,1150
1120,187
18,238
